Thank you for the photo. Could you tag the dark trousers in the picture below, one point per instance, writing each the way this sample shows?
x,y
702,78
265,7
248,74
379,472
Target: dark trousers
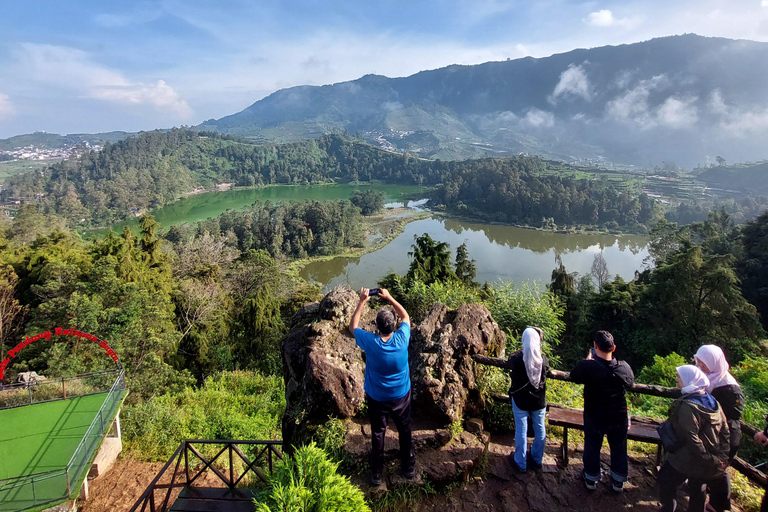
x,y
764,504
669,479
400,412
617,442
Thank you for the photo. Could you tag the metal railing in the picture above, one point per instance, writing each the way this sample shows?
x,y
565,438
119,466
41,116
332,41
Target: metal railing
x,y
49,390
39,489
166,486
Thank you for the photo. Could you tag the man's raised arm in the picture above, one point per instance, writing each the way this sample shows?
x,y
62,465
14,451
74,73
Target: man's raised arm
x,y
358,311
399,309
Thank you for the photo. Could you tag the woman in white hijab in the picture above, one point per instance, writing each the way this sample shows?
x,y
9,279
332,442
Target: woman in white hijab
x,y
702,432
711,360
528,370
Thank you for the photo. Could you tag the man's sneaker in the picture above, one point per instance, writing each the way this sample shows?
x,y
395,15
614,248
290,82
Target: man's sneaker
x,y
376,479
616,485
589,484
409,474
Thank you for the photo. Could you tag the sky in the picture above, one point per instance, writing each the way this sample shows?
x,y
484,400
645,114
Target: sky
x,y
82,66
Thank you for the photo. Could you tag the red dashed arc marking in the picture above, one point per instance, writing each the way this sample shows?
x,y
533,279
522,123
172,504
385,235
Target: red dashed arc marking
x,y
58,331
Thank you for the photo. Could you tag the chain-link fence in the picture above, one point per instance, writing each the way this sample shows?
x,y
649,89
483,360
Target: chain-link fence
x,y
27,393
33,491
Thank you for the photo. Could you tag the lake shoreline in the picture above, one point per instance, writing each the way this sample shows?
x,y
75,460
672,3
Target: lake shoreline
x,y
396,225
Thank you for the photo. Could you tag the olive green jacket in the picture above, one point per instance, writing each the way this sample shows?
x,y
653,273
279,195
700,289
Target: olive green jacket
x,y
704,435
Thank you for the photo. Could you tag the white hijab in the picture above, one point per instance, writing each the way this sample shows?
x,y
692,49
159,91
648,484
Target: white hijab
x,y
694,380
532,356
714,359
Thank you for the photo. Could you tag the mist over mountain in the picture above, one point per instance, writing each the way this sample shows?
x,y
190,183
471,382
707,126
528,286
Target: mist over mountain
x,y
683,99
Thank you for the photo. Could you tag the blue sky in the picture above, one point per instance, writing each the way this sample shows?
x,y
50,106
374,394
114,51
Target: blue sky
x,y
85,66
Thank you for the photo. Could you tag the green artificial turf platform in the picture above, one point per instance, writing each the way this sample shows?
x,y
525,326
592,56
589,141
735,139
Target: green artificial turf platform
x,y
36,444
42,437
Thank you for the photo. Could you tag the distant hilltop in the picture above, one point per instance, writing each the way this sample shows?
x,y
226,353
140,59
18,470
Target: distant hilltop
x,y
685,99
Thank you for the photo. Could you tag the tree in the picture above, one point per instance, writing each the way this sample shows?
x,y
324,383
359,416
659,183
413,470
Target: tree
x,y
431,261
11,312
562,283
753,266
369,202
692,299
466,269
600,270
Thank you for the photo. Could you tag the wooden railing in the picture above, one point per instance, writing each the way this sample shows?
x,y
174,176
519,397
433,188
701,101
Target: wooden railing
x,y
752,473
159,497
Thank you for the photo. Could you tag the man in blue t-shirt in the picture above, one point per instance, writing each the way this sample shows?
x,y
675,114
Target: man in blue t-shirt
x,y
387,380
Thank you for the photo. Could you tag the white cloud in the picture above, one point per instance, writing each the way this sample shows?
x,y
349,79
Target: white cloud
x,y
634,107
605,18
736,121
573,81
539,118
6,108
73,69
678,113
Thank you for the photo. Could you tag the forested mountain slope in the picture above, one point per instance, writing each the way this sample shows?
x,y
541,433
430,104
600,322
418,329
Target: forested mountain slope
x,y
156,168
682,98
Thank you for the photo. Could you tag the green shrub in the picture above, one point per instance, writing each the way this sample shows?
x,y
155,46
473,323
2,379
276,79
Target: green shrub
x,y
752,374
497,417
229,405
309,482
330,437
516,308
662,372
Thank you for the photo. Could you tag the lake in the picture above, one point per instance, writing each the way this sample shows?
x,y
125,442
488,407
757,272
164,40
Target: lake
x,y
199,207
501,253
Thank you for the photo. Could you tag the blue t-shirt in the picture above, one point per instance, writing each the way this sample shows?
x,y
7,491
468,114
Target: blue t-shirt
x,y
387,376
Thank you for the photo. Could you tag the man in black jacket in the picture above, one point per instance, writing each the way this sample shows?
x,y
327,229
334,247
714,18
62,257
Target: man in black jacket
x,y
605,382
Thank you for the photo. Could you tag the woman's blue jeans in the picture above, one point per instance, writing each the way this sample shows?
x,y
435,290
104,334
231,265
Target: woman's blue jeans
x,y
521,435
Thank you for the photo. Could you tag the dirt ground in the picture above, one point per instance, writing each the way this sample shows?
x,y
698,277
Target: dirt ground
x,y
554,488
120,487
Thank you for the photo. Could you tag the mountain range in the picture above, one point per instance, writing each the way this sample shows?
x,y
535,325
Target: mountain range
x,y
681,99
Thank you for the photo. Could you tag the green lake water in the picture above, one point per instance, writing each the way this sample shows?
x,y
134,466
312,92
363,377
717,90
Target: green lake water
x,y
212,204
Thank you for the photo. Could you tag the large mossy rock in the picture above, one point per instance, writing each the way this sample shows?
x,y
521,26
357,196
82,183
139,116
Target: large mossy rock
x,y
442,371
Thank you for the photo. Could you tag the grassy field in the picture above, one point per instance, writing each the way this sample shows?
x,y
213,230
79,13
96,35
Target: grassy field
x,y
43,437
8,169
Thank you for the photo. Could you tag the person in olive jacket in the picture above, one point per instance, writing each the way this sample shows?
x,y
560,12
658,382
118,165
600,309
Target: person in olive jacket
x,y
605,380
528,396
702,457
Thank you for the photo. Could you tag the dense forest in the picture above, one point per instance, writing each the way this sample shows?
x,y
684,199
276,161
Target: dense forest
x,y
156,168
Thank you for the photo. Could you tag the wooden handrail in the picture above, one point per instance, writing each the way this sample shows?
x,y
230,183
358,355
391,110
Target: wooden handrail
x,y
739,464
146,501
645,389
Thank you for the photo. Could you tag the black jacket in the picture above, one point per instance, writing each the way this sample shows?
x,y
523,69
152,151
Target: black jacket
x,y
731,399
526,397
605,384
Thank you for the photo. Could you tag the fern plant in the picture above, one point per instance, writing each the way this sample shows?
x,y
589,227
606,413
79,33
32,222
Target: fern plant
x,y
308,482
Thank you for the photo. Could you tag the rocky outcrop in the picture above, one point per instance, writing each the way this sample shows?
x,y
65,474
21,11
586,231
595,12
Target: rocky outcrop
x,y
322,366
324,369
442,372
